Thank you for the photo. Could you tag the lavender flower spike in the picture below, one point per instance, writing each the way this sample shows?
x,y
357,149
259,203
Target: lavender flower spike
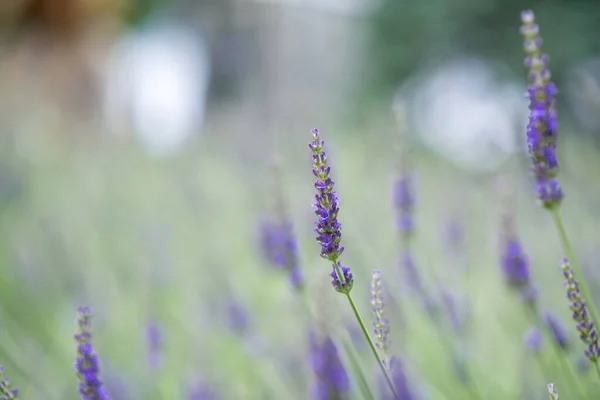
x,y
381,326
86,364
552,391
543,126
533,339
557,330
331,379
328,229
7,392
585,325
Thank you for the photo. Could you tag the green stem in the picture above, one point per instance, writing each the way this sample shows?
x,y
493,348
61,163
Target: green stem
x,y
575,265
372,345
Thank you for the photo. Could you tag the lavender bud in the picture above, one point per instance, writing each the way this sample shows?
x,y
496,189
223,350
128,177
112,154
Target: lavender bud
x,y
381,326
331,379
557,330
533,339
552,391
7,392
543,126
328,229
587,331
345,284
86,363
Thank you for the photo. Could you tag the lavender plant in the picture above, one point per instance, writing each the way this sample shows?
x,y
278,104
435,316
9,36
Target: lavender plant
x,y
86,363
277,238
542,131
332,381
7,391
329,236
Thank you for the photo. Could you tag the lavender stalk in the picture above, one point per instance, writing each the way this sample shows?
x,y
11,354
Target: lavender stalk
x,y
541,139
329,235
7,391
86,364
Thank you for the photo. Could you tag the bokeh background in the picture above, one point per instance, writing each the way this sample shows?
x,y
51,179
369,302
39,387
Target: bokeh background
x,y
137,138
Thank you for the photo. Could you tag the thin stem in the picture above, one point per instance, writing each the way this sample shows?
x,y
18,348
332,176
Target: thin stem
x,y
372,345
575,265
597,369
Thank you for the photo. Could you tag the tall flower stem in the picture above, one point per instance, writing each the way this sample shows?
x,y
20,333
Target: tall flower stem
x,y
568,248
371,344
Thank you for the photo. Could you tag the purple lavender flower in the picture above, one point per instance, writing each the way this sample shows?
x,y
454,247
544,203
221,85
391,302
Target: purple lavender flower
x,y
533,339
328,229
86,363
6,390
587,331
404,202
558,330
381,325
154,338
331,379
401,383
515,263
280,248
543,126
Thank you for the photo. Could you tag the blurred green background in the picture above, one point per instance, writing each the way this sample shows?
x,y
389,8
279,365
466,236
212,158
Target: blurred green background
x,y
136,139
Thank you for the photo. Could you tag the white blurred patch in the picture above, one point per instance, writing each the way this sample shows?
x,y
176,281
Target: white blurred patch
x,y
467,115
156,85
582,91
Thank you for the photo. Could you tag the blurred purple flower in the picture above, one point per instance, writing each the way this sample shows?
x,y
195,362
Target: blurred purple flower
x,y
331,379
404,203
401,383
7,392
558,330
86,363
237,317
515,263
585,325
532,338
279,246
200,391
154,339
543,125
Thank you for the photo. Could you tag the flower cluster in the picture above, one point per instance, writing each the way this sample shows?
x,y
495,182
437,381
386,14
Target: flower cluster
x,y
552,391
543,126
381,325
7,392
585,325
533,339
86,363
328,229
